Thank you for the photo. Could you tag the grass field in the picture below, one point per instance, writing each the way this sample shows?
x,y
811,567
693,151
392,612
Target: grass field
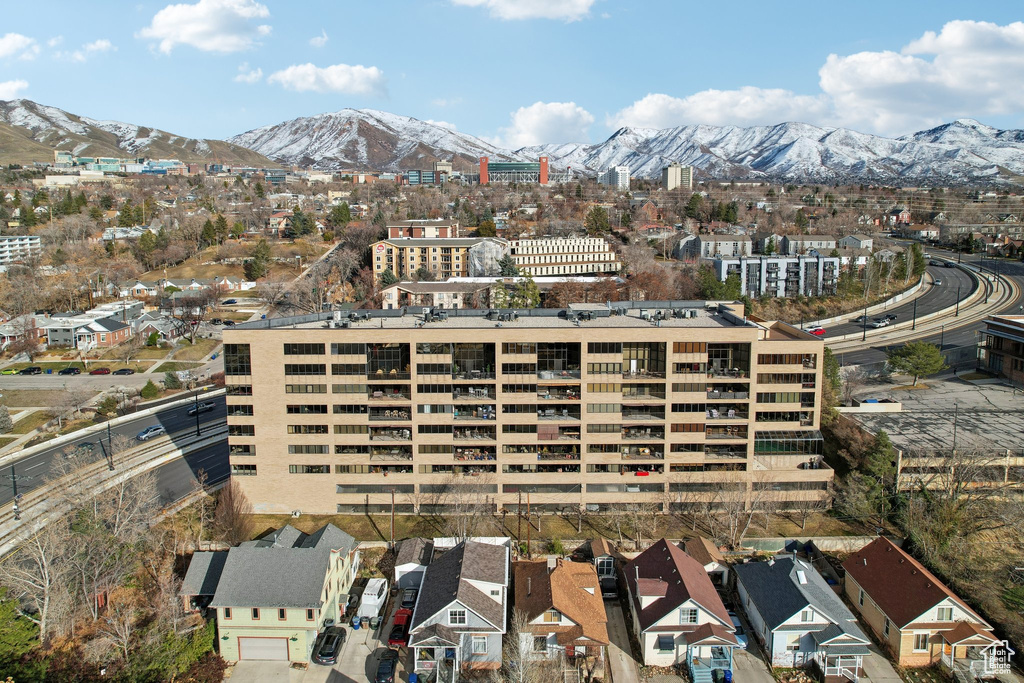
x,y
4,440
31,422
35,398
197,351
145,353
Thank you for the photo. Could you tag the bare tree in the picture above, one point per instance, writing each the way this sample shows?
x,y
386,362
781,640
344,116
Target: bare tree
x,y
854,379
128,507
232,519
643,520
521,662
191,310
464,507
37,575
272,292
121,621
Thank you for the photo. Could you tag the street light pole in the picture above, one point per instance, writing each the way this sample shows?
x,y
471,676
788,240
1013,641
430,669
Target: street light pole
x,y
957,314
195,402
914,325
942,336
864,322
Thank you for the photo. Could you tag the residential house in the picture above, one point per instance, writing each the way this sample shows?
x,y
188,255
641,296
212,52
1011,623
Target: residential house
x,y
802,244
140,289
898,216
919,620
678,616
713,246
921,232
645,210
275,594
167,329
850,259
411,562
435,294
459,618
200,583
708,554
85,332
19,327
799,619
856,241
562,604
279,223
762,239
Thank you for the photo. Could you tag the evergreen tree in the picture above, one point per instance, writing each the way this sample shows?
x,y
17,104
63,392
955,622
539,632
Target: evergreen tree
x,y
258,265
237,230
221,226
171,380
340,215
801,220
694,206
770,248
258,190
388,278
527,293
596,221
917,358
209,234
126,217
486,229
150,391
507,266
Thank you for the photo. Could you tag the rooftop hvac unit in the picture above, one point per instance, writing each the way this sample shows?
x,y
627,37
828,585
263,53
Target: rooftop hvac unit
x,y
296,513
337,316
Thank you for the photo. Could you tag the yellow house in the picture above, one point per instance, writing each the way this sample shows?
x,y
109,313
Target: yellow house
x,y
275,594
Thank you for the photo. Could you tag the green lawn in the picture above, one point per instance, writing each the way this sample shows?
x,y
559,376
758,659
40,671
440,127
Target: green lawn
x,y
197,351
31,422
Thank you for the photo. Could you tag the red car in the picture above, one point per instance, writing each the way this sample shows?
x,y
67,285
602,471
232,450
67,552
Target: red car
x,y
100,371
816,331
400,631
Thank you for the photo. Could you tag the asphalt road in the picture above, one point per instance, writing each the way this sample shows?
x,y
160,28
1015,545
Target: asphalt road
x,y
177,478
952,335
30,472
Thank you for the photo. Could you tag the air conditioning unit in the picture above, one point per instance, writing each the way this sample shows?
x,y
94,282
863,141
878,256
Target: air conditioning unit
x,y
296,513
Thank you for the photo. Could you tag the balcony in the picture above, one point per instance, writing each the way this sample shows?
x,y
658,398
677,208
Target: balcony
x,y
382,375
384,452
391,456
729,373
475,454
719,453
485,433
642,453
390,434
569,373
643,374
389,393
641,415
642,470
728,393
555,394
727,413
379,415
469,393
643,433
559,414
731,432
481,412
473,374
555,453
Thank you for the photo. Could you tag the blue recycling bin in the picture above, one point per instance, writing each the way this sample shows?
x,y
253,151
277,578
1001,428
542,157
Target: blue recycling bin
x,y
413,678
49,371
728,676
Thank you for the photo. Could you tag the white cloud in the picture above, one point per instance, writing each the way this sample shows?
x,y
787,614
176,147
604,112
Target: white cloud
x,y
568,10
15,44
968,69
55,41
443,124
83,53
247,75
209,25
339,78
446,102
10,90
320,40
547,122
744,107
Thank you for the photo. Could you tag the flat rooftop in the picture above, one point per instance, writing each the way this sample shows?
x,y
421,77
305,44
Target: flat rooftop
x,y
626,314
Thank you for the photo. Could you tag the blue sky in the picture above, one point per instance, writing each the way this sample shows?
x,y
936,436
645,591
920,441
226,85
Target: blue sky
x,y
520,71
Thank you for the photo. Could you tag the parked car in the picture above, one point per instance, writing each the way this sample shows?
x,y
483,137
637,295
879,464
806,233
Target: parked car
x,y
216,321
409,598
150,432
328,645
386,667
229,323
202,407
609,588
399,636
70,371
123,371
8,371
816,331
100,371
228,302
741,635
31,370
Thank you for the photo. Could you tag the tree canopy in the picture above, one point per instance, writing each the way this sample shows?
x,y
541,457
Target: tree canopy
x,y
917,358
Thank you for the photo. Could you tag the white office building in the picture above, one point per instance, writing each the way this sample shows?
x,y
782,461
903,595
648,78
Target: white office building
x,y
616,176
14,248
676,176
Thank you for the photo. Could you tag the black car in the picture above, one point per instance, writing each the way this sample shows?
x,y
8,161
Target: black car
x,y
216,321
890,317
229,323
409,598
202,407
328,645
228,302
950,264
123,371
31,370
386,667
70,371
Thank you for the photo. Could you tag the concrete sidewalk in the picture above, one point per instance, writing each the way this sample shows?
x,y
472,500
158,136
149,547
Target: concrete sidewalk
x,y
621,665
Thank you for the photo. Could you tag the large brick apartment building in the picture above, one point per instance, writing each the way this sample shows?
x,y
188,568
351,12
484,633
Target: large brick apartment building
x,y
675,404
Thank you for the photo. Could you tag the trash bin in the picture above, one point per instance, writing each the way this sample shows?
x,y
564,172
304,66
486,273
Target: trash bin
x,y
728,676
413,678
49,371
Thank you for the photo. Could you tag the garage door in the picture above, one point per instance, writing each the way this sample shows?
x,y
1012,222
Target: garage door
x,y
263,648
410,580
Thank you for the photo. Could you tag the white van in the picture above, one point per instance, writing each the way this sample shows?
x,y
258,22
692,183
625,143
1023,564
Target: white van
x,y
374,596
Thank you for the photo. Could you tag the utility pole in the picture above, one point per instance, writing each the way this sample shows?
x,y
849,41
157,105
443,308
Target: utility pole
x,y
519,514
956,413
914,326
392,516
17,496
864,322
529,526
957,313
195,406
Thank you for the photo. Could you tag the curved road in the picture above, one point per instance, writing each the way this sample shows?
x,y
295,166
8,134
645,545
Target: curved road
x,y
31,471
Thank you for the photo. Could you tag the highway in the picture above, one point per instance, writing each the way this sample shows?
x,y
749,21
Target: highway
x,y
32,470
953,334
176,479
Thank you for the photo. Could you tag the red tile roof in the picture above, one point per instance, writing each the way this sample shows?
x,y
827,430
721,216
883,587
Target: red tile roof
x,y
900,585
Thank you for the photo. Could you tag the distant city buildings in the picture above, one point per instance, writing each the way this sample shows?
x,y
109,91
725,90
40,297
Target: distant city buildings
x,y
442,258
676,176
564,256
616,176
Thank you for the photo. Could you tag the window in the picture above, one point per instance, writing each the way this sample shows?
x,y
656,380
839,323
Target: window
x,y
348,388
239,411
307,429
292,349
479,646
860,597
309,615
305,388
540,644
237,360
351,429
306,410
305,369
945,614
604,347
688,615
793,642
240,390
456,617
241,449
348,368
689,347
255,613
519,348
666,643
604,407
920,642
552,616
806,615
241,430
604,566
243,470
227,612
282,614
347,449
348,349
309,469
885,628
313,449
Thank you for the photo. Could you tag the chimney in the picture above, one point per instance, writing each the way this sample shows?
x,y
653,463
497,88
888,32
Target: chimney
x,y
529,585
552,563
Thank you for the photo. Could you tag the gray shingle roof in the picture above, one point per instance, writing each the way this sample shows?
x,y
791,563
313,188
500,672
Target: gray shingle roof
x,y
447,579
203,573
777,593
414,551
285,568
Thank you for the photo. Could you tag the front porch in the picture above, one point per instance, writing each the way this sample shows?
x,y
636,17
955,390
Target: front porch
x,y
709,651
436,655
962,652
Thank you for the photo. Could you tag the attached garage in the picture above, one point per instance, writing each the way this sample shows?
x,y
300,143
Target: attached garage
x,y
263,648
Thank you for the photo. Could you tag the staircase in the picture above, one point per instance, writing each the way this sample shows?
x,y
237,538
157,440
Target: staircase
x,y
701,675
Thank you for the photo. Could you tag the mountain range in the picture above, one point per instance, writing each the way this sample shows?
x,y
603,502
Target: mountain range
x,y
963,151
31,132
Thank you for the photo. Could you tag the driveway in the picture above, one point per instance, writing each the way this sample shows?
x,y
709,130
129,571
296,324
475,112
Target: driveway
x,y
620,660
878,669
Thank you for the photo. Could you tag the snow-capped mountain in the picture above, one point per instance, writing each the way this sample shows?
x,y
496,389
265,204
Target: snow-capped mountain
x,y
366,138
31,131
962,151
